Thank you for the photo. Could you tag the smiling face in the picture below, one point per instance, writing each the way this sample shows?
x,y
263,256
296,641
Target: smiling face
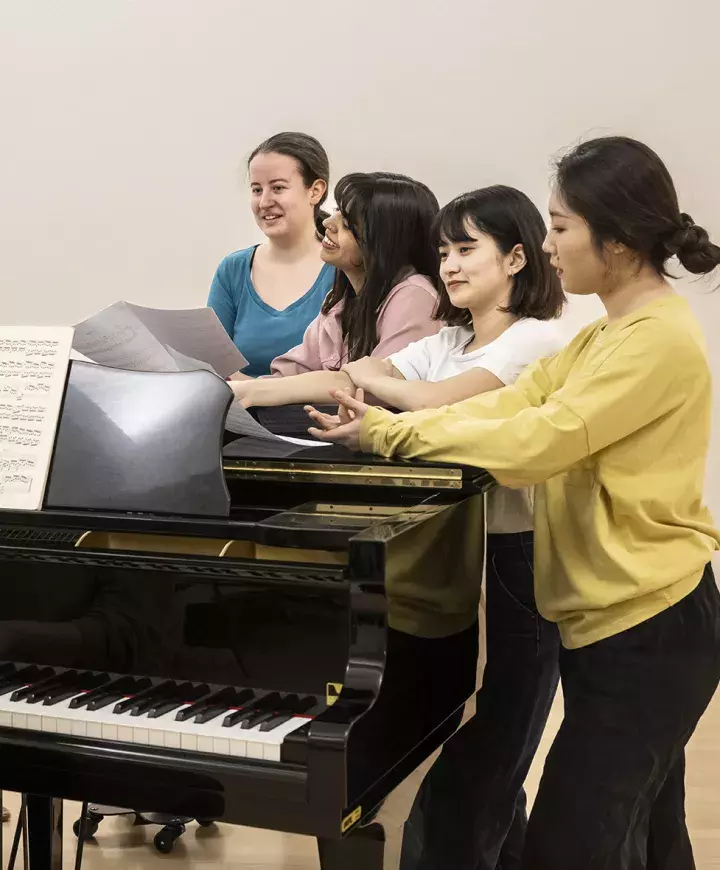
x,y
581,267
280,202
339,246
476,273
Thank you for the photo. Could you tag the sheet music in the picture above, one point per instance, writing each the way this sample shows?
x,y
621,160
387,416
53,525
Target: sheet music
x,y
127,336
195,333
33,368
241,422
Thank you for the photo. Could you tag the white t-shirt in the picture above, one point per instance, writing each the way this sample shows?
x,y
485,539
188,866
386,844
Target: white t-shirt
x,y
441,356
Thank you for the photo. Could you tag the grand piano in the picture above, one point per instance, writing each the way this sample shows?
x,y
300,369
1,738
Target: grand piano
x,y
262,633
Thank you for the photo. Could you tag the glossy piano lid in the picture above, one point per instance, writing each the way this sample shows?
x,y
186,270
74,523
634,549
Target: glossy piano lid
x,y
140,441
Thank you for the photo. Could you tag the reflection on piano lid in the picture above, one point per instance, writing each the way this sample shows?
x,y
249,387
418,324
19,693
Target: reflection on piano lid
x,y
140,441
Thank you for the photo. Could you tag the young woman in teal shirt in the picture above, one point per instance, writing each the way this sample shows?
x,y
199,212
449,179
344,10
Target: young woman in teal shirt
x,y
266,295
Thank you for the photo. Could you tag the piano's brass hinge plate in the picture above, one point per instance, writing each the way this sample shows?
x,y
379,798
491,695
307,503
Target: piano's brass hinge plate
x,y
361,475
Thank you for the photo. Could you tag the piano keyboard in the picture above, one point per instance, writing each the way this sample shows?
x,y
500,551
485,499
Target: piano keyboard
x,y
194,717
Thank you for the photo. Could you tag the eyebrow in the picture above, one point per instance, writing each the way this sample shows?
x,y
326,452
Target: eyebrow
x,y
273,181
558,214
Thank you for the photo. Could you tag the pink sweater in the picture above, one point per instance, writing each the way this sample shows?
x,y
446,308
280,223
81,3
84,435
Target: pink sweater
x,y
406,316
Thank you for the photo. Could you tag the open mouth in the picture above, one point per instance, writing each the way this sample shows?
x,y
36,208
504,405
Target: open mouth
x,y
329,245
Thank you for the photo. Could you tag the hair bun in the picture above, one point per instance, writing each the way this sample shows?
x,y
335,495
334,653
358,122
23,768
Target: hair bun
x,y
691,244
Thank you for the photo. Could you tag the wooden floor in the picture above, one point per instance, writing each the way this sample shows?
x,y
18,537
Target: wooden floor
x,y
228,848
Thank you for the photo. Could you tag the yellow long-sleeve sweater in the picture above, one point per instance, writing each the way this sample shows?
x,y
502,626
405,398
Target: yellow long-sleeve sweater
x,y
614,432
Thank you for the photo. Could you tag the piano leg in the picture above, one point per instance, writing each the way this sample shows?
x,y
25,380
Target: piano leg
x,y
370,848
44,832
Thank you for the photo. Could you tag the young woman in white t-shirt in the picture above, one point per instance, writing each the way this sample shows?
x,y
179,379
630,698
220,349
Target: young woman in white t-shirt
x,y
502,305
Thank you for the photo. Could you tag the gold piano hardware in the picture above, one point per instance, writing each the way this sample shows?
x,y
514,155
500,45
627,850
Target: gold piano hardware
x,y
190,546
332,692
363,475
380,511
286,554
351,819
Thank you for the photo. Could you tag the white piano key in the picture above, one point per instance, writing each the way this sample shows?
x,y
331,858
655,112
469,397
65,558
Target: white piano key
x,y
165,731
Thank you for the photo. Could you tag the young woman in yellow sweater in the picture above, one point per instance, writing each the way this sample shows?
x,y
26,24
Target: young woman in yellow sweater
x,y
613,431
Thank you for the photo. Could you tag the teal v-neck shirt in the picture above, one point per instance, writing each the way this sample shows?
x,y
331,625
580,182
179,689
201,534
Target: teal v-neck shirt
x,y
261,332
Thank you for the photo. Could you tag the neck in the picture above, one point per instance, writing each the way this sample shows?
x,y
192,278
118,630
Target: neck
x,y
489,323
356,277
290,249
634,291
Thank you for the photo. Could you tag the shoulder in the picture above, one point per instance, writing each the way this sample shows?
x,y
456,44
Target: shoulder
x,y
665,340
413,285
546,337
327,275
237,260
451,337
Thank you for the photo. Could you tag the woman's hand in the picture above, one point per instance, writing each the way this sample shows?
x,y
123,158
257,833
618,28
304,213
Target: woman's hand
x,y
239,376
343,428
364,371
243,391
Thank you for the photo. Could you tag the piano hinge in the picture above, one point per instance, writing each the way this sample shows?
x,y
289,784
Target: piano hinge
x,y
362,475
351,819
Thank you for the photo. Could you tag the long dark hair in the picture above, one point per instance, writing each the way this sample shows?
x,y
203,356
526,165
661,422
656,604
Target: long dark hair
x,y
312,161
624,192
510,218
391,218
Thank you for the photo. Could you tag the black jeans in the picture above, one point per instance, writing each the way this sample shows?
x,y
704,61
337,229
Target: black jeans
x,y
470,811
612,794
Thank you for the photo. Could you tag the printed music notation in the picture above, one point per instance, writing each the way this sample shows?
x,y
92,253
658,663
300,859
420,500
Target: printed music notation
x,y
33,367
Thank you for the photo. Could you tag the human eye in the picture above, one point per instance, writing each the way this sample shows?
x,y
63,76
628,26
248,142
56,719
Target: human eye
x,y
465,249
443,256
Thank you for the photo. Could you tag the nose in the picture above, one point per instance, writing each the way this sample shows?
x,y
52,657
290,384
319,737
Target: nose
x,y
450,265
329,223
547,245
267,198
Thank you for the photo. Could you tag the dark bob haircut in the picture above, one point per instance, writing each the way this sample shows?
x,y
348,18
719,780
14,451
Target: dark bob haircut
x,y
510,218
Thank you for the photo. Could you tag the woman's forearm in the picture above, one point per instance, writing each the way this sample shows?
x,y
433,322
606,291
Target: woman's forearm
x,y
312,387
406,395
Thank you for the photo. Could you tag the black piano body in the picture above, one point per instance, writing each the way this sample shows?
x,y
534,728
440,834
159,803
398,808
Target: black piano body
x,y
347,581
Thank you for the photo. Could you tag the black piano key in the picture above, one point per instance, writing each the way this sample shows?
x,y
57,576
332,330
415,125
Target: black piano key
x,y
302,705
193,693
173,692
122,685
293,703
42,686
64,693
26,675
117,694
152,693
237,699
275,721
263,704
223,699
257,719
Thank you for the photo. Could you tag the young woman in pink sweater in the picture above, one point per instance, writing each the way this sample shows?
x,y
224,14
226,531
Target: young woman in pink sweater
x,y
385,293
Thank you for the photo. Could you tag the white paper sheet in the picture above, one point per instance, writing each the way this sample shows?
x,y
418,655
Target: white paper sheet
x,y
149,339
241,422
33,368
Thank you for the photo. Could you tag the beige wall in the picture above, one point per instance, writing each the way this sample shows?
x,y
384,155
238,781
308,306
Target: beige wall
x,y
124,122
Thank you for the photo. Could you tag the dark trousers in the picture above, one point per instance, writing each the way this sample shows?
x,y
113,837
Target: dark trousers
x,y
612,794
470,811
